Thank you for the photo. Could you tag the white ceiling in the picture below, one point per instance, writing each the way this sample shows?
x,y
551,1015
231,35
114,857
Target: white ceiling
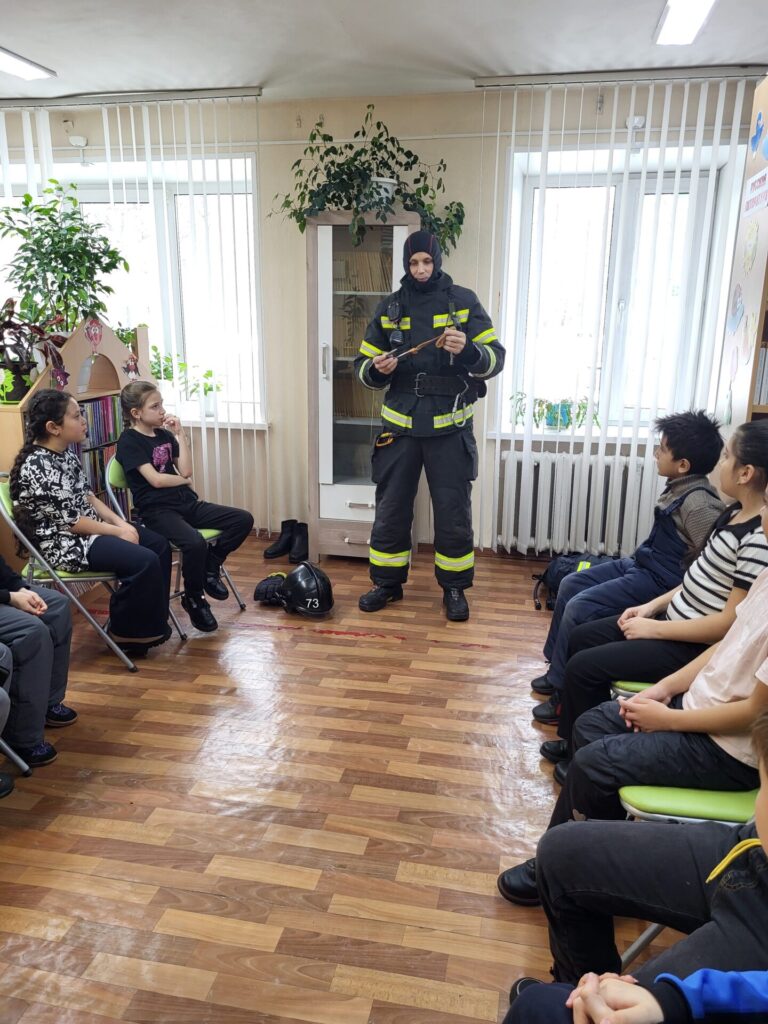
x,y
301,48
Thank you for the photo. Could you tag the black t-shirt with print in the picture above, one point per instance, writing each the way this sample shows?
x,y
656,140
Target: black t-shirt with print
x,y
135,449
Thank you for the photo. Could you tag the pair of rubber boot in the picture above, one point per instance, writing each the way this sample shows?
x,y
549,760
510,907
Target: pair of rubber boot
x,y
293,541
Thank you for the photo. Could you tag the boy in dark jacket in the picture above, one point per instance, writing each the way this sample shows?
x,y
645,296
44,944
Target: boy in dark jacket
x,y
685,513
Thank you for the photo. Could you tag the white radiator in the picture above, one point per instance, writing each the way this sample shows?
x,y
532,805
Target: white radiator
x,y
556,502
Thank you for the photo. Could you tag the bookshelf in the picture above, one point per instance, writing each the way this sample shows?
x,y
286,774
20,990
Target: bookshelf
x,y
97,372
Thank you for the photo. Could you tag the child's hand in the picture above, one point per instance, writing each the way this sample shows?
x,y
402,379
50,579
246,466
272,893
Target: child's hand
x,y
27,601
641,611
609,1000
127,532
644,715
641,629
172,423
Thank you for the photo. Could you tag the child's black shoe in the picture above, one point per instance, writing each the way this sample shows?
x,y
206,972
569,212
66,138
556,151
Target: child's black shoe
x,y
199,612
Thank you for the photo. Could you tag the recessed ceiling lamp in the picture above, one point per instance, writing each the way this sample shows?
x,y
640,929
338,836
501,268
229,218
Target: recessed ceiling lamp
x,y
681,21
13,64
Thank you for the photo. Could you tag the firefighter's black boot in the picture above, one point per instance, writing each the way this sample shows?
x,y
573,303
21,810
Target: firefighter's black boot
x,y
283,543
299,544
456,607
379,597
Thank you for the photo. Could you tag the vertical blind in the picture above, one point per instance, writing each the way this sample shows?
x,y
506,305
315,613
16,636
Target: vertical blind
x,y
174,183
620,206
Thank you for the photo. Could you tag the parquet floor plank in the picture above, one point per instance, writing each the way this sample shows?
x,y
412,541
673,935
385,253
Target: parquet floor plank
x,y
287,820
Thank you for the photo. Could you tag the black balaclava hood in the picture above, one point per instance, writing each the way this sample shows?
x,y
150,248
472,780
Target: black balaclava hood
x,y
422,241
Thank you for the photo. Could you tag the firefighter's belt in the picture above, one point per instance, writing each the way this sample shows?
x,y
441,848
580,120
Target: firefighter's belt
x,y
423,384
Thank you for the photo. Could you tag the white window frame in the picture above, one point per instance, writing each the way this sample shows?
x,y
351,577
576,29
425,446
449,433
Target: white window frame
x,y
133,189
522,183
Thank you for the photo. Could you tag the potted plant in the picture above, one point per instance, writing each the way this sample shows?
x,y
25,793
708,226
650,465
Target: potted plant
x,y
25,349
369,174
62,260
553,415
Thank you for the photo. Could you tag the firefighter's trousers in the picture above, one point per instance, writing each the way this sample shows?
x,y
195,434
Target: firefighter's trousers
x,y
450,462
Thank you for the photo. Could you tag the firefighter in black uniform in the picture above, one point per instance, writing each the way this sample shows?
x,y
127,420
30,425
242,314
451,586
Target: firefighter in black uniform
x,y
427,421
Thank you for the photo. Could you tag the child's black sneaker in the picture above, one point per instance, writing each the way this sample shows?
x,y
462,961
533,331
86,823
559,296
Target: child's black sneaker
x,y
59,715
199,612
42,754
215,587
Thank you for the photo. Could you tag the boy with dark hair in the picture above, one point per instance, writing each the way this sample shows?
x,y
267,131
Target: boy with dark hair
x,y
686,511
713,886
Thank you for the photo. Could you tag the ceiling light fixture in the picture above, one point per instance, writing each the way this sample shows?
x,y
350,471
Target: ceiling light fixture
x,y
681,21
13,64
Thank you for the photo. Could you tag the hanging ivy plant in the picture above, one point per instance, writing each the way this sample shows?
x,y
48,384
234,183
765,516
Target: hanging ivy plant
x,y
371,174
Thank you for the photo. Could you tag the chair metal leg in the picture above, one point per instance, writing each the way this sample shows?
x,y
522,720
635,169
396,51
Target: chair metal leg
x,y
641,943
11,754
177,624
233,588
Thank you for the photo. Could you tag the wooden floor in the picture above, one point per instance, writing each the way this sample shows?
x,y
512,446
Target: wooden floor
x,y
287,820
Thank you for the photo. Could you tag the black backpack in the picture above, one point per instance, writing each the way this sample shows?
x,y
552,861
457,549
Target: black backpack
x,y
560,567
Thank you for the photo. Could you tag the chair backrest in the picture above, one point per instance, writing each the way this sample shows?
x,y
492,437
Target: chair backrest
x,y
6,501
115,480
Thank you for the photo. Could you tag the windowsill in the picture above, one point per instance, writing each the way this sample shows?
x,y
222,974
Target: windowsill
x,y
210,421
566,437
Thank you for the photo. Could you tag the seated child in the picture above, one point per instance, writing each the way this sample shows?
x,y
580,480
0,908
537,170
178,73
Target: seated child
x,y
35,635
673,629
708,880
155,455
690,729
685,513
74,531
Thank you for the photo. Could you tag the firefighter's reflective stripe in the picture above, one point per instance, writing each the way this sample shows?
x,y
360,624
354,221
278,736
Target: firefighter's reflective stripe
x,y
398,418
446,320
367,349
485,337
390,325
491,363
455,564
383,558
454,419
363,369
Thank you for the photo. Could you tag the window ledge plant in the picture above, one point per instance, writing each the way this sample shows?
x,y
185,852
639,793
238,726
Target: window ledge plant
x,y
370,174
25,349
553,415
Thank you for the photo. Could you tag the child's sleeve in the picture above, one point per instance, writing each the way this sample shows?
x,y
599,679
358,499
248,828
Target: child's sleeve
x,y
130,452
751,559
698,514
41,490
712,995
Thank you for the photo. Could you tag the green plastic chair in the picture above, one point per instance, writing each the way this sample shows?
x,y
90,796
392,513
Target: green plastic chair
x,y
667,803
624,688
117,482
39,570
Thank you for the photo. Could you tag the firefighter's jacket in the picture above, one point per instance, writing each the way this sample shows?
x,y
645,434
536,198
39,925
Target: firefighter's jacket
x,y
425,314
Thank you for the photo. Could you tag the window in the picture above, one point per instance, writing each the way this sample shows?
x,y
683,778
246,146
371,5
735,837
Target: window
x,y
602,306
192,257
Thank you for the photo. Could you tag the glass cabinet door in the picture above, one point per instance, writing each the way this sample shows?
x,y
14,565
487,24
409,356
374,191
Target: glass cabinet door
x,y
352,280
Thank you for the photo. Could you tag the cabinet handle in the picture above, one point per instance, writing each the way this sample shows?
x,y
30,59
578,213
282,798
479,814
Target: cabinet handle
x,y
324,360
348,540
360,504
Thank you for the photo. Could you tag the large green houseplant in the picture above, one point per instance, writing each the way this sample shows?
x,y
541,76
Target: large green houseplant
x,y
370,174
62,260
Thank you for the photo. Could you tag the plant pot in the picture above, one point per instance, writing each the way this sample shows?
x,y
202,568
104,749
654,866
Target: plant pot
x,y
18,386
384,188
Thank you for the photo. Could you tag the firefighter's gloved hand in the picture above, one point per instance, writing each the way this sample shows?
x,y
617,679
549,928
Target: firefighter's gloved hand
x,y
269,590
